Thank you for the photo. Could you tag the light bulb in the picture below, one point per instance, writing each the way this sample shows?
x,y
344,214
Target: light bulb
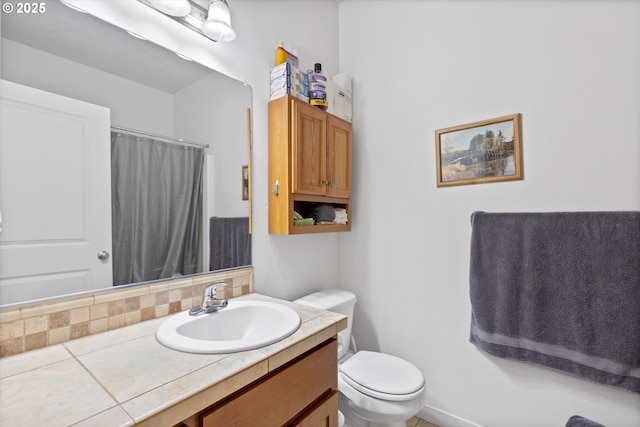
x,y
178,8
218,24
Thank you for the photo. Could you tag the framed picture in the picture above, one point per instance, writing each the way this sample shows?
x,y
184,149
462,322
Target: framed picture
x,y
480,152
245,182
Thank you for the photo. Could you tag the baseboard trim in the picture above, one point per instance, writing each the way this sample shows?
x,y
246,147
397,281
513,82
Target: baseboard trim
x,y
443,418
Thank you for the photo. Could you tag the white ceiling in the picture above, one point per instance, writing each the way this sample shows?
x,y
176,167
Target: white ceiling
x,y
85,39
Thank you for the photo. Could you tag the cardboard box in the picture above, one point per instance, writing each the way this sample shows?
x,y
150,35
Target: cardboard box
x,y
280,92
294,85
289,72
287,79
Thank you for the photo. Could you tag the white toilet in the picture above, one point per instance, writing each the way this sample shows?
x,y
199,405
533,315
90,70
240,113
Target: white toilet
x,y
376,389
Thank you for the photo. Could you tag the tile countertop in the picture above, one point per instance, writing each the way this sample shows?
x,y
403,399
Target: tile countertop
x,y
125,376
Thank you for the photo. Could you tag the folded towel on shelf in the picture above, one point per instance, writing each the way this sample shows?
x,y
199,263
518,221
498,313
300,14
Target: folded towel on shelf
x,y
559,290
340,216
320,212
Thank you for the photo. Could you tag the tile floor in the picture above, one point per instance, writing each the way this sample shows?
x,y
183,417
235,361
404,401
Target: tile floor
x,y
417,422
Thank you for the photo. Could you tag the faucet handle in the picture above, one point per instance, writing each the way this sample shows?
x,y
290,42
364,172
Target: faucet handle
x,y
210,291
210,303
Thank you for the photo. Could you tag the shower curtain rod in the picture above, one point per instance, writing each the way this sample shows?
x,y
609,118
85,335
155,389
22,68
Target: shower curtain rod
x,y
166,138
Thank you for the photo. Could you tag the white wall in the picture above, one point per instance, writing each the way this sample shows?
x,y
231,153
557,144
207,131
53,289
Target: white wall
x,y
213,110
572,69
132,105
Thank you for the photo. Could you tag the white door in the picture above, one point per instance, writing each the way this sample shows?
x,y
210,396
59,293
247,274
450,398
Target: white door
x,y
55,193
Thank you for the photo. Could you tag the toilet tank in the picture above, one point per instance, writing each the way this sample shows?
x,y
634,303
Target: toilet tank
x,y
339,301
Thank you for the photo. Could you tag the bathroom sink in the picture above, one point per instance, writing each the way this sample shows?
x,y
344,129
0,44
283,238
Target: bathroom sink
x,y
241,325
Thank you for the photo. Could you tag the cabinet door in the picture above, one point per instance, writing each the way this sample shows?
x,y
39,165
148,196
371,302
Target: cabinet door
x,y
308,149
338,158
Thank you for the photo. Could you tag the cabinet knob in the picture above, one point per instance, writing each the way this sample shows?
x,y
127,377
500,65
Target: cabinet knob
x,y
276,189
325,181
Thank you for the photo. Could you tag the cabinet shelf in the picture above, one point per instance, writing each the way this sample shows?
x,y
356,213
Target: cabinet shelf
x,y
319,228
309,162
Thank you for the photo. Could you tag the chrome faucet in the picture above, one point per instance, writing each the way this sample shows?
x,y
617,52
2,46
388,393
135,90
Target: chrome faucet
x,y
210,303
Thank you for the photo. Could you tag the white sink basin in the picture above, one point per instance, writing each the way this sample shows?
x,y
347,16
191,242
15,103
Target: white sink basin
x,y
241,325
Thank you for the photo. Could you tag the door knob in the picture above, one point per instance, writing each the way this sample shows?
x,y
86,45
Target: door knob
x,y
103,255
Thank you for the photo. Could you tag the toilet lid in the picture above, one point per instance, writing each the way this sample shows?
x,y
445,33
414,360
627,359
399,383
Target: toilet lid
x,y
382,376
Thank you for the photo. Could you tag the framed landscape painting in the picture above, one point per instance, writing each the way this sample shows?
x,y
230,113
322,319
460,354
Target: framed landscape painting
x,y
480,152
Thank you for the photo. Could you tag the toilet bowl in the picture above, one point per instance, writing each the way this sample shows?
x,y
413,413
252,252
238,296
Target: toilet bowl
x,y
381,389
375,389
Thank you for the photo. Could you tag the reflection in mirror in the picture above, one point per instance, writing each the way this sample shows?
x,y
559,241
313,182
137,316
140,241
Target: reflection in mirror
x,y
86,109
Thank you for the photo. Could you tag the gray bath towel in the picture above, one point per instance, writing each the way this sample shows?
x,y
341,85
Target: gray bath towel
x,y
578,421
559,290
230,243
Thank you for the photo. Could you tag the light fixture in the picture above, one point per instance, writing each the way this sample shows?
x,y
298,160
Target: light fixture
x,y
214,23
218,24
178,8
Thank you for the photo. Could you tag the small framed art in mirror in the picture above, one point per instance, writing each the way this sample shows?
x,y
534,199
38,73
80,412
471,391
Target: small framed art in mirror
x,y
245,182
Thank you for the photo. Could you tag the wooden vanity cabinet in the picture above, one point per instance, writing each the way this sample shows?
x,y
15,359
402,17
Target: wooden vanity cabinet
x,y
309,162
301,393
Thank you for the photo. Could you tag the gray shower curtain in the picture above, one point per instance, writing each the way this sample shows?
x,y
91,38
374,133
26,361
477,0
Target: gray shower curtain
x,y
156,208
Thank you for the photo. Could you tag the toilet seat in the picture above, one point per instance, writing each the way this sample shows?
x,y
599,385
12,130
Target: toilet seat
x,y
382,376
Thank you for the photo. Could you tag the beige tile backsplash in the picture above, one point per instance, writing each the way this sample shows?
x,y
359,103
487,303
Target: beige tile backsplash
x,y
39,325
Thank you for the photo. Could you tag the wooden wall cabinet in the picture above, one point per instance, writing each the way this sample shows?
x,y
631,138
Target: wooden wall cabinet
x,y
309,162
302,393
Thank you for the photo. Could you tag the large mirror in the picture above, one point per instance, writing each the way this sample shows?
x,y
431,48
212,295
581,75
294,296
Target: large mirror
x,y
85,107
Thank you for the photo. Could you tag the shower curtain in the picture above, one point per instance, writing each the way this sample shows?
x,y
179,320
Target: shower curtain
x,y
156,208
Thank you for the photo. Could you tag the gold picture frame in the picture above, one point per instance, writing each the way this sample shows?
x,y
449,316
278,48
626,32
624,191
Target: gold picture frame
x,y
480,152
